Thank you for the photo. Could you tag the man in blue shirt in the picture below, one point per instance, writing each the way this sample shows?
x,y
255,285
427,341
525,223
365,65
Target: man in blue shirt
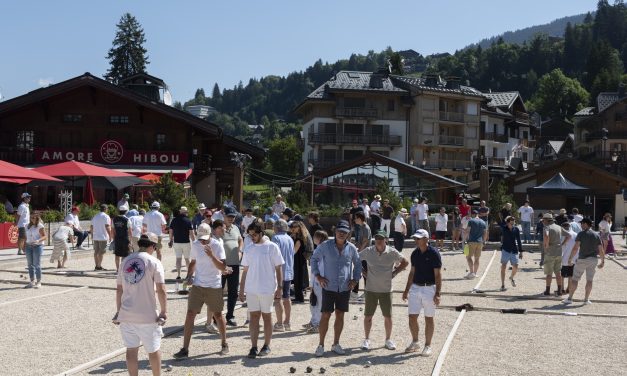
x,y
342,270
475,233
286,245
510,249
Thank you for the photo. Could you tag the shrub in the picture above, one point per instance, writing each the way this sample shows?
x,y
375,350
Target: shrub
x,y
50,216
4,216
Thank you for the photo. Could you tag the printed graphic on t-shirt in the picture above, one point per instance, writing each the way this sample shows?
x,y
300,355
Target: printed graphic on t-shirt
x,y
134,270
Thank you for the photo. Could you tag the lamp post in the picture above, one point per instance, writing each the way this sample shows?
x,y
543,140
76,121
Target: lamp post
x,y
310,168
604,133
614,159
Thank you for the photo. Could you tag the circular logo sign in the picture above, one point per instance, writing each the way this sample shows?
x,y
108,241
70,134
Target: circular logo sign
x,y
13,234
111,151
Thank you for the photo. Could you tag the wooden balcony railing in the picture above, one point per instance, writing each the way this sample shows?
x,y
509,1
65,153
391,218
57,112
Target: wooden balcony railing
x,y
451,140
356,112
353,139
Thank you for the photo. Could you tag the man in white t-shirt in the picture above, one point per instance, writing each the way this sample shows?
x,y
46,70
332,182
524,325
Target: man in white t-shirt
x,y
375,215
441,226
101,233
75,222
136,222
568,242
526,216
422,212
262,280
140,276
208,261
155,222
22,217
576,216
246,221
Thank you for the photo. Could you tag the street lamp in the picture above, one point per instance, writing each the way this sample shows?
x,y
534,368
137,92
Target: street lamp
x,y
310,168
604,133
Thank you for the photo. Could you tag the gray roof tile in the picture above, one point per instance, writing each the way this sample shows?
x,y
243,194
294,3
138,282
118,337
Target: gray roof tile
x,y
419,83
502,99
587,111
358,81
605,100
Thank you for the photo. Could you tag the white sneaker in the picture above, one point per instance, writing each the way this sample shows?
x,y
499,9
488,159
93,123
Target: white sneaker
x,y
390,345
365,345
279,327
212,329
361,297
81,248
354,295
319,350
338,349
567,301
413,347
472,276
426,351
468,276
37,285
30,285
587,302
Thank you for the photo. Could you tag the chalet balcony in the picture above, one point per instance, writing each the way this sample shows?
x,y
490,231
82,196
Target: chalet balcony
x,y
451,140
457,117
356,112
491,136
528,143
17,156
353,139
495,161
522,117
446,163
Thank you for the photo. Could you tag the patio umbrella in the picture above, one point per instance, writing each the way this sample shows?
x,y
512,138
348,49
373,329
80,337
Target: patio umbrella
x,y
89,193
17,174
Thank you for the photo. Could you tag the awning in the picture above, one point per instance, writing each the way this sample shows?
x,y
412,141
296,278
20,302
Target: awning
x,y
180,175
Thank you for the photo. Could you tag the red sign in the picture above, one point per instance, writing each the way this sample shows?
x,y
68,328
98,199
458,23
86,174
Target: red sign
x,y
112,152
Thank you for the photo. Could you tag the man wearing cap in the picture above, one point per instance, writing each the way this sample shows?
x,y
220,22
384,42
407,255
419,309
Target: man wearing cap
x,y
248,219
199,216
366,209
422,291
75,222
206,267
233,245
384,263
121,234
270,215
588,244
181,232
136,224
155,222
562,217
400,229
342,270
101,233
22,218
286,246
279,206
475,233
552,234
139,278
375,215
133,212
361,242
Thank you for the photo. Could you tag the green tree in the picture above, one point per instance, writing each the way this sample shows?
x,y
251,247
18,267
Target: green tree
x,y
559,96
171,195
397,63
128,55
499,196
284,156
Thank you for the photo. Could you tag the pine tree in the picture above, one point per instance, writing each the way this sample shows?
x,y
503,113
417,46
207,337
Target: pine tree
x,y
128,55
215,94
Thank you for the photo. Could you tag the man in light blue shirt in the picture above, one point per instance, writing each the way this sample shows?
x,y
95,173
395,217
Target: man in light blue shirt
x,y
475,234
342,270
286,245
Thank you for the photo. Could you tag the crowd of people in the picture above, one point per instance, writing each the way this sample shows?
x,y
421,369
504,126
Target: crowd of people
x,y
273,259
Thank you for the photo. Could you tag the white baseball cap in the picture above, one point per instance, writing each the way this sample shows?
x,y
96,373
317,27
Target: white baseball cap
x,y
420,234
155,204
204,231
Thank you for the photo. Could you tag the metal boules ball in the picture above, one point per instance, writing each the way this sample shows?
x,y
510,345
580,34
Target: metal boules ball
x,y
168,367
292,370
308,369
323,370
368,364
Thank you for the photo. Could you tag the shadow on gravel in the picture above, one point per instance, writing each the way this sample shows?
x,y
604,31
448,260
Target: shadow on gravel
x,y
391,358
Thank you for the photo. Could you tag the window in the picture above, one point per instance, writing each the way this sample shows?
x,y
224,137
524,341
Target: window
x,y
353,129
25,140
483,126
494,153
378,129
72,118
525,157
471,132
427,128
391,104
471,108
355,102
525,135
328,128
352,154
160,141
118,119
328,154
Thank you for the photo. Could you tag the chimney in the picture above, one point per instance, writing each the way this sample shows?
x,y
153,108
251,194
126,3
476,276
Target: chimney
x,y
432,80
452,83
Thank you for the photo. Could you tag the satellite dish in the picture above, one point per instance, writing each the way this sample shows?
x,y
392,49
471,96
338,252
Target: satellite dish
x,y
167,97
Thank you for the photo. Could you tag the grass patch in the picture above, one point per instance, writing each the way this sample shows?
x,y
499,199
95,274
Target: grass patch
x,y
256,188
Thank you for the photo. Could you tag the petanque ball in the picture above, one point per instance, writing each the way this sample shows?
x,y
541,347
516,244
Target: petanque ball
x,y
308,369
368,364
322,370
292,370
355,317
168,367
361,309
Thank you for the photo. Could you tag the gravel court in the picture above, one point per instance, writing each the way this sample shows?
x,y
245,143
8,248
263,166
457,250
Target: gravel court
x,y
497,344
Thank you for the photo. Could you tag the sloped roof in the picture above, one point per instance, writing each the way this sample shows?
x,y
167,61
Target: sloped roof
x,y
378,158
357,81
586,111
606,99
502,99
419,83
87,79
559,182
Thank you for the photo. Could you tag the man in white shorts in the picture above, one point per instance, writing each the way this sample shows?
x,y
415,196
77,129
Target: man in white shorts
x,y
207,264
181,232
139,276
262,280
423,287
155,222
588,244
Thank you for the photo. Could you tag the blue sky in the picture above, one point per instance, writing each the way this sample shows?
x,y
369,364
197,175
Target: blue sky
x,y
194,44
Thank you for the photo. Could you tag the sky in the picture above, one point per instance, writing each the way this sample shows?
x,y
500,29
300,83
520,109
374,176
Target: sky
x,y
195,43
